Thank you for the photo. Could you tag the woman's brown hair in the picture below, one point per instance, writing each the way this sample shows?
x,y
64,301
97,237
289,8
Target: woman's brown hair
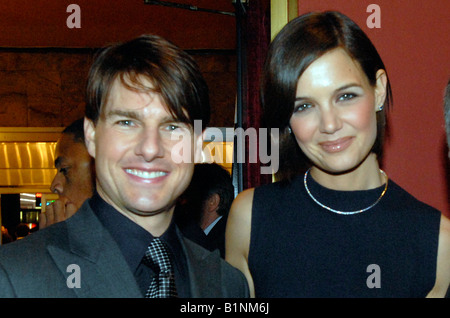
x,y
298,44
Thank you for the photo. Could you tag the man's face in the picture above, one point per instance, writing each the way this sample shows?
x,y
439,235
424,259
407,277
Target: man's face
x,y
132,143
73,178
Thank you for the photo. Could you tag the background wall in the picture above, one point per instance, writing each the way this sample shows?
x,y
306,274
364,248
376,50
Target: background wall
x,y
414,43
38,23
44,87
44,62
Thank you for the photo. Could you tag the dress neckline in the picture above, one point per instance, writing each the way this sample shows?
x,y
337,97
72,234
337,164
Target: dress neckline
x,y
340,199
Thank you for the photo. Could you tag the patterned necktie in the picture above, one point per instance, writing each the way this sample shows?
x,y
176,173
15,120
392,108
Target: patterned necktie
x,y
157,258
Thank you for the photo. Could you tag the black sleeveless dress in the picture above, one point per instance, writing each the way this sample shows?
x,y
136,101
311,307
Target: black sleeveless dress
x,y
299,249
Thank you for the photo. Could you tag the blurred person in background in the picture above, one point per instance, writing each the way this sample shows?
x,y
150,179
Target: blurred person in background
x,y
74,181
205,205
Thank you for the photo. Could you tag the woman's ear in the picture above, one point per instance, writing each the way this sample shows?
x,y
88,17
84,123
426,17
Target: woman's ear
x,y
380,89
89,136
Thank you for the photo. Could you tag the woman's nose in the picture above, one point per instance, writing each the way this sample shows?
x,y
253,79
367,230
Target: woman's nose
x,y
330,122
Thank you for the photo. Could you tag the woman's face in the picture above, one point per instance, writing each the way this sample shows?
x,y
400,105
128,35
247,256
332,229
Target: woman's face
x,y
334,119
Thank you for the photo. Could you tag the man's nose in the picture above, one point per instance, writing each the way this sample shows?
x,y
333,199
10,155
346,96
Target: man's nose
x,y
57,185
150,144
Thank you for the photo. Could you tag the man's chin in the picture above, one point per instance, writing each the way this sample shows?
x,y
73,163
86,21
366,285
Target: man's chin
x,y
146,207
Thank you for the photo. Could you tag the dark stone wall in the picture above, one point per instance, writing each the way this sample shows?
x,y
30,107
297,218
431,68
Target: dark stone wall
x,y
45,87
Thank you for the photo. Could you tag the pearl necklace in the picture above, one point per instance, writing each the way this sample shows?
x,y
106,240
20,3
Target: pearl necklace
x,y
344,212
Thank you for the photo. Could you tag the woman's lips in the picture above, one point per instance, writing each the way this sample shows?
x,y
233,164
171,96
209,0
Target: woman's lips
x,y
336,145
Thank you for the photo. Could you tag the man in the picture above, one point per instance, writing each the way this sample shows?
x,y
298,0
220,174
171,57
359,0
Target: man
x,y
206,202
74,181
142,99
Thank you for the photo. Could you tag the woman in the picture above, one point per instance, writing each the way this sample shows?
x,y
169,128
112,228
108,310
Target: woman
x,y
335,225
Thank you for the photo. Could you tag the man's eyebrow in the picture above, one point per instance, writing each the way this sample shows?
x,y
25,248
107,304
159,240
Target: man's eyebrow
x,y
136,115
122,113
57,162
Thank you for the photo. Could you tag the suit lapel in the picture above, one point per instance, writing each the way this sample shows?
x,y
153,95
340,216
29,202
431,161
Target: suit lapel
x,y
102,268
198,259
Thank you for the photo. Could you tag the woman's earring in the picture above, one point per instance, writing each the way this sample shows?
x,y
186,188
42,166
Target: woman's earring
x,y
380,108
289,130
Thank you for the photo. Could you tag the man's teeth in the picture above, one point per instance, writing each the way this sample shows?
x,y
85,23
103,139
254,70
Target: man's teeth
x,y
146,174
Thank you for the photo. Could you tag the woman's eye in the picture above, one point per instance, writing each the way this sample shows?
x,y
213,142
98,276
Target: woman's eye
x,y
302,107
347,96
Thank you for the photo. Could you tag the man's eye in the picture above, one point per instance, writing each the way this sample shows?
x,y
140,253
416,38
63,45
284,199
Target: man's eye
x,y
125,123
174,126
63,170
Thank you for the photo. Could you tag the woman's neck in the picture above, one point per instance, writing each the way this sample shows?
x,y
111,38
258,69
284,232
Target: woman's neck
x,y
364,177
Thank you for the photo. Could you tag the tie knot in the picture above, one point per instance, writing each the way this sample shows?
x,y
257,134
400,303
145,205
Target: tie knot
x,y
157,256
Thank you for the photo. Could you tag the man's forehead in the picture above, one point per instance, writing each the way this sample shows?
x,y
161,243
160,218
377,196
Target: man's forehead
x,y
127,97
134,103
140,87
66,141
68,150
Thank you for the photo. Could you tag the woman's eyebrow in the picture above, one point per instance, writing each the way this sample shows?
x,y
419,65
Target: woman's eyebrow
x,y
339,89
344,87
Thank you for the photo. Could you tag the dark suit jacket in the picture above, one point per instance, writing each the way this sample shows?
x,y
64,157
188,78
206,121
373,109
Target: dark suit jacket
x,y
216,237
38,266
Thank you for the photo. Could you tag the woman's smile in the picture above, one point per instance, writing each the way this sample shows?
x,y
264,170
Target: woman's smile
x,y
337,145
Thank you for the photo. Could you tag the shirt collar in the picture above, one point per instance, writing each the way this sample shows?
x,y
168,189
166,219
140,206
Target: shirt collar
x,y
131,238
209,228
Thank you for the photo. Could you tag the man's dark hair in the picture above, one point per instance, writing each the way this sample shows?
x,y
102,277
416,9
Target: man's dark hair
x,y
171,72
208,179
76,129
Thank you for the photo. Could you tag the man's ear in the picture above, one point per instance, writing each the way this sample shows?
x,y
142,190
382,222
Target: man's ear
x,y
213,202
89,136
198,147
